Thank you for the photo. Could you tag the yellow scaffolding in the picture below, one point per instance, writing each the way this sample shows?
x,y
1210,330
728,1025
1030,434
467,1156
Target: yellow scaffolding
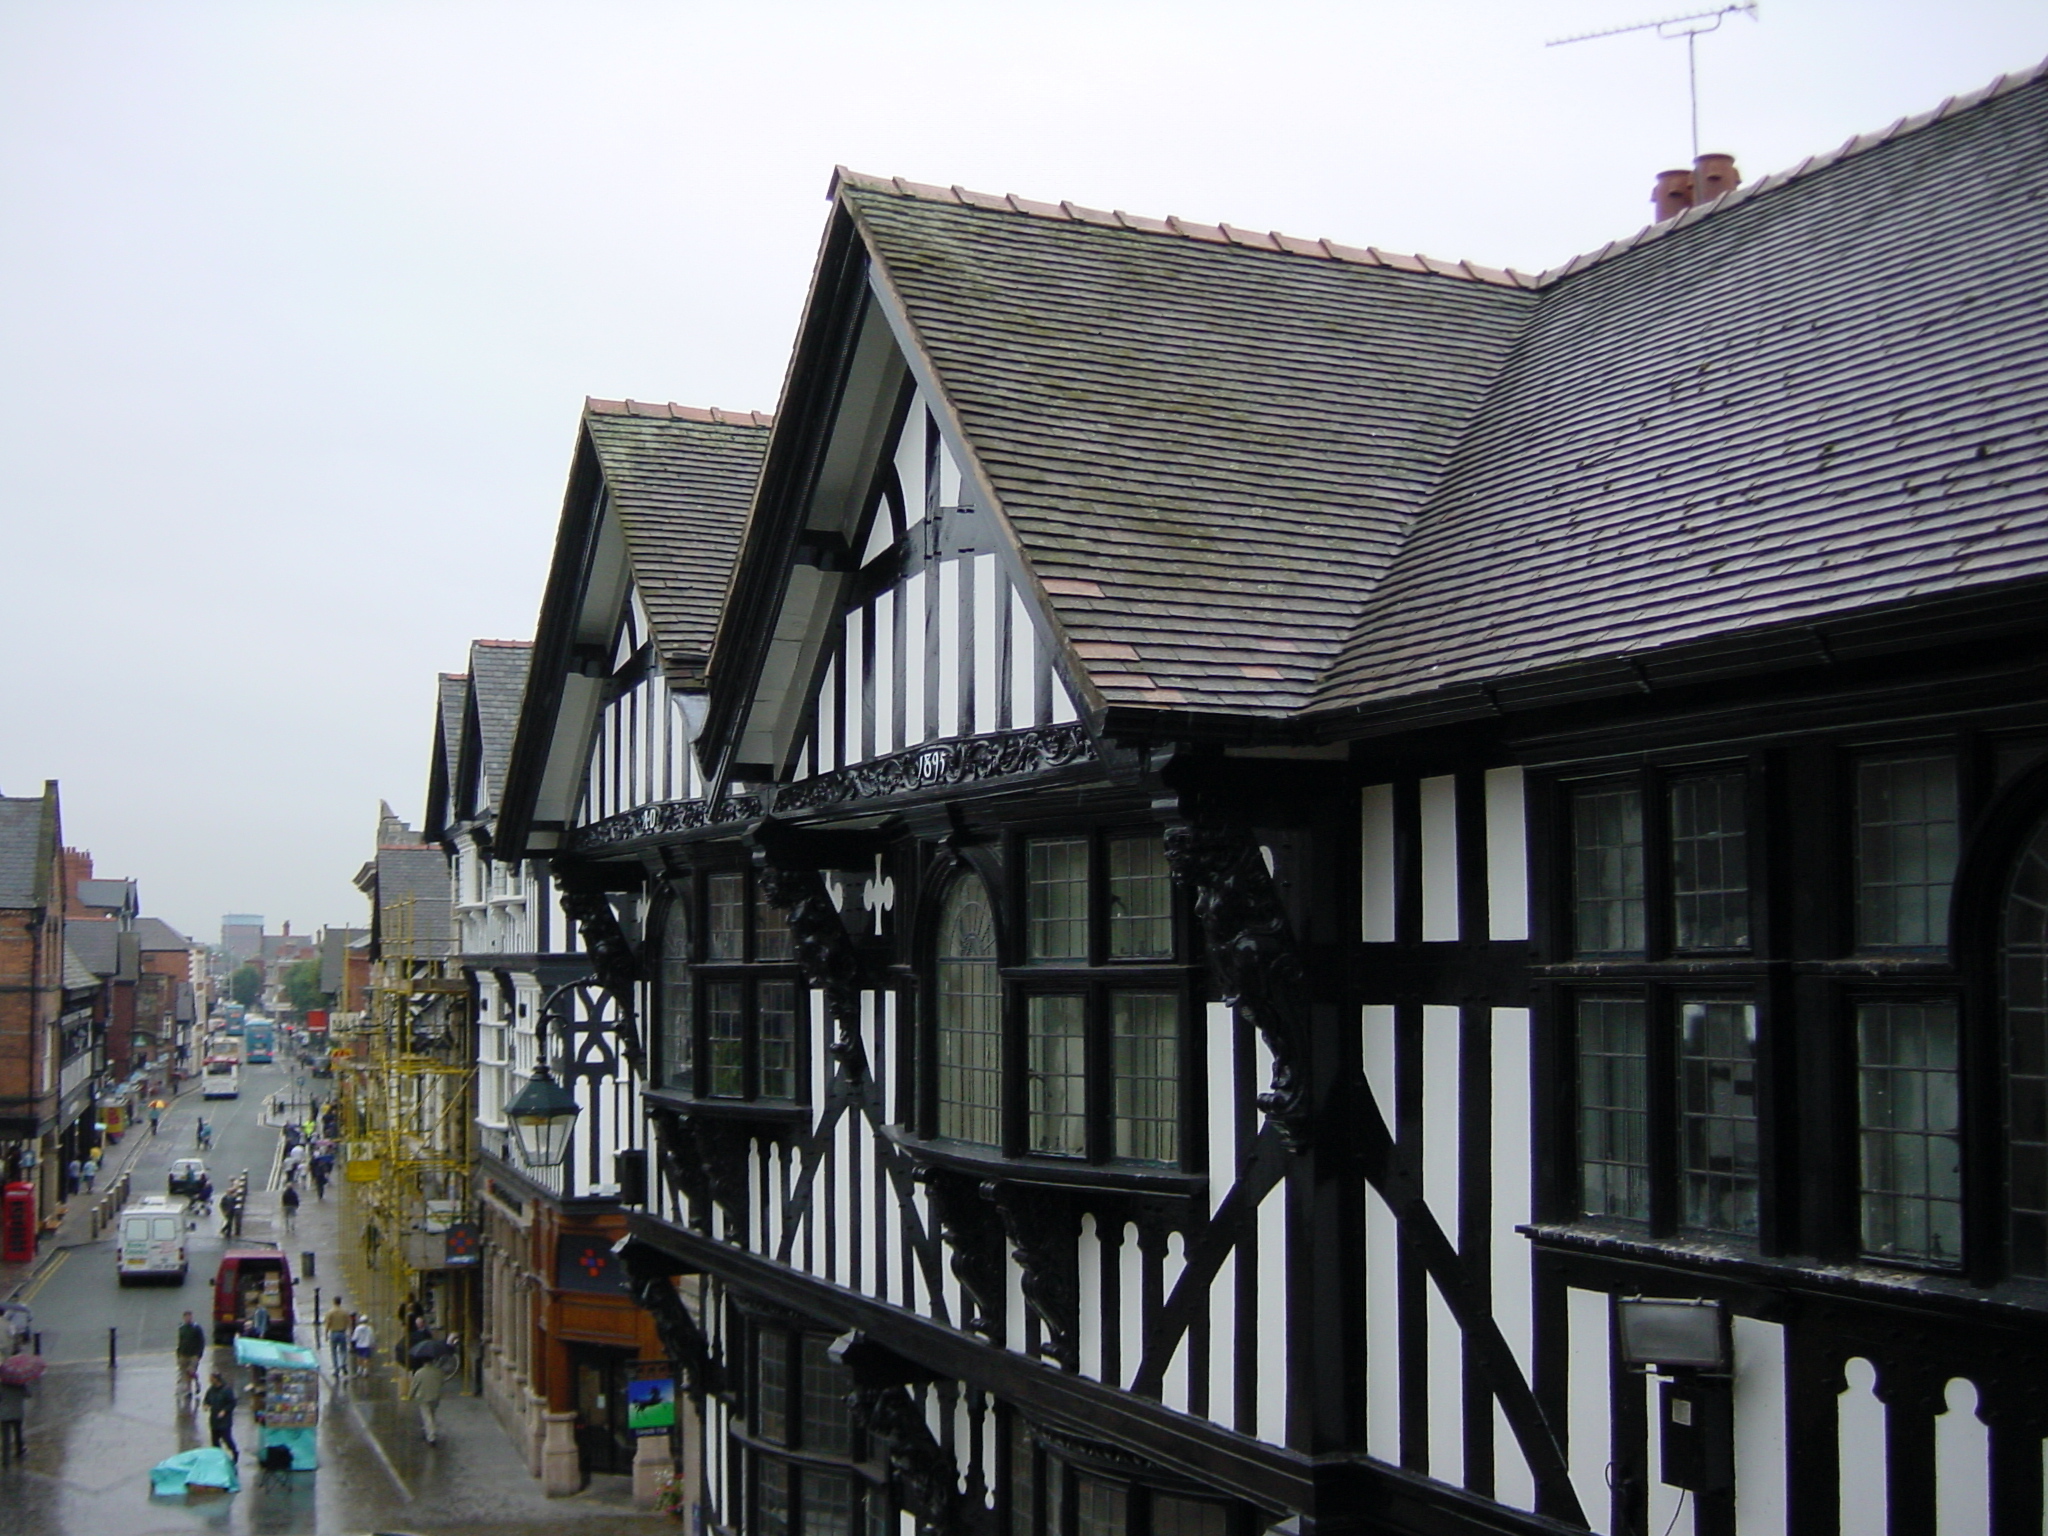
x,y
405,1086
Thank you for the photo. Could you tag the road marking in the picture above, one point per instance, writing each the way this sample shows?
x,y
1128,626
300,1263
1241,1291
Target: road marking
x,y
377,1445
44,1278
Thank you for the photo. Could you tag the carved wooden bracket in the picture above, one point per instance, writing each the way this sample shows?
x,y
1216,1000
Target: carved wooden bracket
x,y
1253,955
927,1478
973,1232
676,1146
648,1278
1045,1241
825,954
722,1151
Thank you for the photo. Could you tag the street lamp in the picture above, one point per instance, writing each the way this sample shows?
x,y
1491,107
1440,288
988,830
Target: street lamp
x,y
543,1113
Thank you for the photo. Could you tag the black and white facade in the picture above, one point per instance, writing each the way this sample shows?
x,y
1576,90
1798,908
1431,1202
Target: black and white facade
x,y
1255,866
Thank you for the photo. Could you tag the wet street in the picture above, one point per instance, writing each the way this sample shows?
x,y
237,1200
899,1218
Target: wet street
x,y
94,1432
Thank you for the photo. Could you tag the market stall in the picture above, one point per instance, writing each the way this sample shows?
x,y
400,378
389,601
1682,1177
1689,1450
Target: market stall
x,y
284,1392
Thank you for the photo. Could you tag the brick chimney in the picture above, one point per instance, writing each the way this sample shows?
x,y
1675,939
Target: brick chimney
x,y
1710,177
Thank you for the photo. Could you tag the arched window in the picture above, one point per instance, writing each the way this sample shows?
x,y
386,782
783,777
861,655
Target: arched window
x,y
2024,993
970,1017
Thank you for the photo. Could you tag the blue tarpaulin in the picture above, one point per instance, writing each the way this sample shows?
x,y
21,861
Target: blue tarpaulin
x,y
273,1356
209,1467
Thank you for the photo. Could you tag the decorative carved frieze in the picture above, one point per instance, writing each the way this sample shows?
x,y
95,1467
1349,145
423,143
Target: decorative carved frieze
x,y
825,954
973,1232
1044,1234
664,818
941,764
1253,955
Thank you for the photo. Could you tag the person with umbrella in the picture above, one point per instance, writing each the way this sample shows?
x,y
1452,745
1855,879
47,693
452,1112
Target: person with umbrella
x,y
14,1395
426,1384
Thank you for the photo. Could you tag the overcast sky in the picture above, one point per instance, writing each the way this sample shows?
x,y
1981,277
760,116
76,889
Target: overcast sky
x,y
299,301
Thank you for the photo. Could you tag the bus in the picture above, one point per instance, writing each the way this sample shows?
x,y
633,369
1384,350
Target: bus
x,y
259,1039
223,1078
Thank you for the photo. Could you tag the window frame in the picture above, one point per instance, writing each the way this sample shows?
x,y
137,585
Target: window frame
x,y
866,1477
1096,978
751,972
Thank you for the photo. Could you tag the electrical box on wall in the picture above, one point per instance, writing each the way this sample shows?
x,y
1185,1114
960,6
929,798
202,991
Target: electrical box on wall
x,y
1698,1441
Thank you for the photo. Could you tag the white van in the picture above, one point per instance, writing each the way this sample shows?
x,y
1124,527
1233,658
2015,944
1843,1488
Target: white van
x,y
149,1239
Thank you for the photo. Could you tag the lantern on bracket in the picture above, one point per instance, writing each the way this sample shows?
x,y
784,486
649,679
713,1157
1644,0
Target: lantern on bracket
x,y
543,1113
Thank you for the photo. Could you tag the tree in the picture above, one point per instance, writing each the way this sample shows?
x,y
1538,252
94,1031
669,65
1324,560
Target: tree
x,y
302,986
246,986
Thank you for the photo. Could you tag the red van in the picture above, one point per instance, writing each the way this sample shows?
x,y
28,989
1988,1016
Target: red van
x,y
252,1273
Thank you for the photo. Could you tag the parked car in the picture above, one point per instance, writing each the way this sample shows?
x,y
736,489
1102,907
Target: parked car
x,y
188,1176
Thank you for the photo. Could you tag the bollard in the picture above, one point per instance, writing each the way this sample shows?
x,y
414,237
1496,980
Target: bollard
x,y
39,1343
110,1348
306,1264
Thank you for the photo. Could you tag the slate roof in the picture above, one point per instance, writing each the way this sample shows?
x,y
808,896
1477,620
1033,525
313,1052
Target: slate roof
x,y
78,976
497,677
681,480
1278,477
156,934
1821,397
451,689
413,902
24,851
1208,446
96,943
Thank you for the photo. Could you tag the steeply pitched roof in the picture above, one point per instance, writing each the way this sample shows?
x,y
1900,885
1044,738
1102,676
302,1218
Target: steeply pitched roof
x,y
1815,401
1209,444
497,680
680,480
96,943
27,838
156,934
413,902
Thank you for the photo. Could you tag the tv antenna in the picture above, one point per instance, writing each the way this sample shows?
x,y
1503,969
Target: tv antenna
x,y
1691,27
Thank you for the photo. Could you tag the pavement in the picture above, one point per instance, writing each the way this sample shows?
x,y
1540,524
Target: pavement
x,y
93,1433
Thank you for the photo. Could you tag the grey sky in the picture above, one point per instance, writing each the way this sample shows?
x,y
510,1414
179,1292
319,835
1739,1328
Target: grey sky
x,y
299,301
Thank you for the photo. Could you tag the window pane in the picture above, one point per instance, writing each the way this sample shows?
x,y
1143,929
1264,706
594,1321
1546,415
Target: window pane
x,y
771,1385
677,1035
771,1497
1717,1117
970,1018
2025,975
827,1429
775,1020
1099,1507
1023,1480
771,931
827,1503
1607,872
1614,1107
725,1020
1056,899
1905,850
1188,1517
1144,1042
1140,898
725,911
1912,1182
1709,864
1058,1098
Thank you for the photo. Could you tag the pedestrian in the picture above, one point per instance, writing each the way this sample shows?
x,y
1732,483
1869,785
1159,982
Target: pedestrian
x,y
91,1170
426,1391
220,1414
230,1213
259,1320
362,1339
337,1323
155,1110
72,1176
290,1203
320,1165
13,1409
191,1347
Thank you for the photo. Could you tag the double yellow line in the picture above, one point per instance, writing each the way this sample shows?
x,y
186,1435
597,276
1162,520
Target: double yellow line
x,y
43,1279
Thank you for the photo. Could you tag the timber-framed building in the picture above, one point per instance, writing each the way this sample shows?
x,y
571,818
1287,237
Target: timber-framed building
x,y
1268,838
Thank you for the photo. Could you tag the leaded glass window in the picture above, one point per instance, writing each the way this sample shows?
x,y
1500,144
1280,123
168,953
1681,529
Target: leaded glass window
x,y
1909,1096
1718,1164
725,1032
725,900
1607,871
775,1023
1056,899
1614,1107
1709,863
1057,1051
1906,826
970,998
2025,977
678,1029
1140,899
1145,1074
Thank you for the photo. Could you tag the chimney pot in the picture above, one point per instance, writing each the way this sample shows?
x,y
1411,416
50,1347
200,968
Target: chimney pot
x,y
1672,195
1714,175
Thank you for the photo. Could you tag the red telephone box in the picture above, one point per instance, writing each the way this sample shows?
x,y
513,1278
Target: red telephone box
x,y
18,1224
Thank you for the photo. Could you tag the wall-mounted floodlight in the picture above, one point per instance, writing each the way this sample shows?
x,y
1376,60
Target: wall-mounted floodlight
x,y
1673,1333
